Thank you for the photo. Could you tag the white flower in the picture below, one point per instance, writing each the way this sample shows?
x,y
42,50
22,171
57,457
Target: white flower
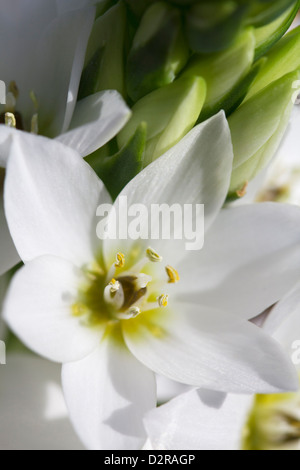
x,y
193,422
33,413
65,305
42,57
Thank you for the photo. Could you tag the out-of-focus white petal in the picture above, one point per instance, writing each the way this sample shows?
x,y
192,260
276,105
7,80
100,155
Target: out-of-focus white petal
x,y
108,394
33,413
186,423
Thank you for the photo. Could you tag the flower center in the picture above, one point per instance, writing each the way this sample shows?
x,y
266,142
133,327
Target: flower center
x,y
126,290
274,423
11,117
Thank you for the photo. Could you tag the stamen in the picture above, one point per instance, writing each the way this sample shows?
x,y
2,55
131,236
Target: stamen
x,y
13,89
34,100
120,260
10,120
35,124
163,301
133,312
243,191
11,103
172,274
153,256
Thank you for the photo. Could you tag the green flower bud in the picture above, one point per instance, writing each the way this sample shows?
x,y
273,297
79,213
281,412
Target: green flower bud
x,y
169,112
213,26
138,7
257,128
266,36
281,60
104,63
223,70
158,53
265,12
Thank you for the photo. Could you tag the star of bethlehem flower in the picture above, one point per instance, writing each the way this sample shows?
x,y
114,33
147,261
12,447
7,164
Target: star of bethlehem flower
x,y
263,422
211,421
115,312
41,58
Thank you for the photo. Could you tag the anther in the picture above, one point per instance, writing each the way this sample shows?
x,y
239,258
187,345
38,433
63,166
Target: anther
x,y
172,274
153,256
10,120
163,301
134,312
120,260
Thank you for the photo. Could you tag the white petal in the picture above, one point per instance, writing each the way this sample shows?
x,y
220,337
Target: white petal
x,y
62,47
33,413
205,348
8,254
251,258
187,424
168,389
96,120
195,171
38,308
107,394
283,322
52,208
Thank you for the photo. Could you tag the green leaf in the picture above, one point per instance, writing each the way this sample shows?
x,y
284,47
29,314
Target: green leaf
x,y
267,36
118,170
158,53
104,65
257,128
